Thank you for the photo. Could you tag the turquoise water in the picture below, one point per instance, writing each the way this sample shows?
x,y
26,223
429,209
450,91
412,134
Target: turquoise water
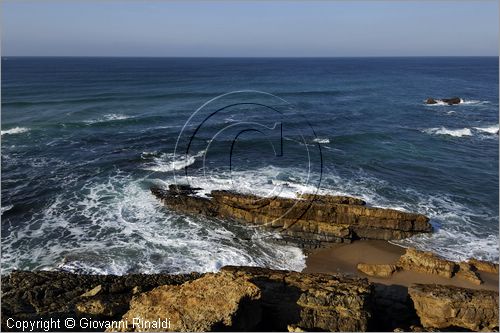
x,y
83,139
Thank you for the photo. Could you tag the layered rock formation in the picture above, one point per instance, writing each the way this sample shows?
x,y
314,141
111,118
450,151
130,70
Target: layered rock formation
x,y
426,262
310,221
449,307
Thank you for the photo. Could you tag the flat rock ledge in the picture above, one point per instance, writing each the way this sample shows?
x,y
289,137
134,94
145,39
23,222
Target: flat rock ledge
x,y
243,299
309,221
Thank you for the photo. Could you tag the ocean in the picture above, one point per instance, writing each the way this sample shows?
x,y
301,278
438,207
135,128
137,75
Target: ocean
x,y
84,139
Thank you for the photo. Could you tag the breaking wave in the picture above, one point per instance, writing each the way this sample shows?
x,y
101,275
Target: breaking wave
x,y
15,130
452,132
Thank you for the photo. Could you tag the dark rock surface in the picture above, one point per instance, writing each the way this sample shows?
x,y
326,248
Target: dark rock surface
x,y
248,299
61,295
449,101
310,221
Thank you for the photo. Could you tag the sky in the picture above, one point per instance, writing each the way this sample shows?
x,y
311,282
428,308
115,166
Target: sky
x,y
249,28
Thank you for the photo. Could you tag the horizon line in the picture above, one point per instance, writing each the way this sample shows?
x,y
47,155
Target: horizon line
x,y
250,57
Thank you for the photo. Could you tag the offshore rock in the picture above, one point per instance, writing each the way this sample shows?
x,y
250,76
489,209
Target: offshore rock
x,y
449,101
426,262
449,307
310,221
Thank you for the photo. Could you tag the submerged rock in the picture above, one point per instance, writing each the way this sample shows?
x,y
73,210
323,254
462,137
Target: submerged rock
x,y
449,307
311,221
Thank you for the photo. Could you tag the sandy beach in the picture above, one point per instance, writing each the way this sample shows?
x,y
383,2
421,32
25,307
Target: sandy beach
x,y
343,258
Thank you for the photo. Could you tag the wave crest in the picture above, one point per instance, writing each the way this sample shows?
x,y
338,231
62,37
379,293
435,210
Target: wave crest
x,y
15,130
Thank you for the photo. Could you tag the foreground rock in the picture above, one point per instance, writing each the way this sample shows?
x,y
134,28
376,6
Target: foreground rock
x,y
61,295
310,221
242,298
250,299
449,101
214,302
448,307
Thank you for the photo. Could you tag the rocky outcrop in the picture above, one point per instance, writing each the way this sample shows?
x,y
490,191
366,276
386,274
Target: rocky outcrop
x,y
237,298
310,221
449,101
377,270
448,307
242,298
484,266
430,263
310,302
214,302
426,262
61,295
466,272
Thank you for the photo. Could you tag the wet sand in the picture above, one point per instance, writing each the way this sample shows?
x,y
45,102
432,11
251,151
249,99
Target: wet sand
x,y
343,258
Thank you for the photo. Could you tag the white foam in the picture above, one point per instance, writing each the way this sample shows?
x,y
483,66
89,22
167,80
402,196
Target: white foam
x,y
322,140
168,162
462,102
452,132
489,129
473,102
118,227
15,130
6,208
108,117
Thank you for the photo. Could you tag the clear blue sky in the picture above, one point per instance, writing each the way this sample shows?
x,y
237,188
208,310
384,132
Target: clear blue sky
x,y
259,28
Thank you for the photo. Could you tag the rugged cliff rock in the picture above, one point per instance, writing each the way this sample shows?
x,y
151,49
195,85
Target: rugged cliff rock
x,y
61,295
249,299
214,302
310,221
242,298
426,262
484,266
448,307
430,263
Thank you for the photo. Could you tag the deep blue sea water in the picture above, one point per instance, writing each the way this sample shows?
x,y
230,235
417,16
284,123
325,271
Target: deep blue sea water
x,y
83,139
